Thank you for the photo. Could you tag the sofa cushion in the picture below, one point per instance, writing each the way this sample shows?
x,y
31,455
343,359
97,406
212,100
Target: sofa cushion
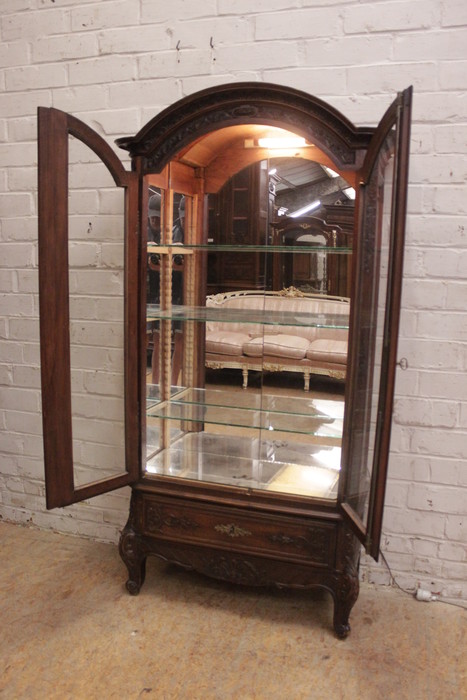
x,y
226,342
282,345
323,350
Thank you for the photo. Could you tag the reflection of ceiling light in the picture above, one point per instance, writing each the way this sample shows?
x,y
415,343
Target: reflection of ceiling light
x,y
328,171
282,211
273,171
317,478
349,192
331,459
305,209
282,142
334,409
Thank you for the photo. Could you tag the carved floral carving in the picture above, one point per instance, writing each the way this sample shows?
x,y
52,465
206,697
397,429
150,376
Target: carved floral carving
x,y
235,570
315,543
232,530
156,518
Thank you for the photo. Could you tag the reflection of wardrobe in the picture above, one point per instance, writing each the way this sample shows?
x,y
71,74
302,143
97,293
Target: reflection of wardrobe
x,y
238,215
341,215
312,272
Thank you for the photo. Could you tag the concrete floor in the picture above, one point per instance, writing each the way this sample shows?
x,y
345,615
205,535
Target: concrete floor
x,y
70,630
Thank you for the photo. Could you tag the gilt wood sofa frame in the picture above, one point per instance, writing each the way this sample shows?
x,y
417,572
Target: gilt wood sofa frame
x,y
307,348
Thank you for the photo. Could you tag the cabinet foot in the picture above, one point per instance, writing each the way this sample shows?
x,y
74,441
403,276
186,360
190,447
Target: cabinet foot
x,y
345,597
133,586
133,556
342,630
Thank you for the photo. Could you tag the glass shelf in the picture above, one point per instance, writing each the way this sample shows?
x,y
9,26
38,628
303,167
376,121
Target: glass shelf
x,y
310,417
286,467
230,315
154,396
181,249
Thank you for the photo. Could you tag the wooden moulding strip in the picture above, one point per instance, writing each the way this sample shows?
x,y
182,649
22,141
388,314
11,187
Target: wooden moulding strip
x,y
166,304
174,249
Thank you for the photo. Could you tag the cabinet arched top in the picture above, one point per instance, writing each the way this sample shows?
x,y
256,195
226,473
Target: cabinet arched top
x,y
248,103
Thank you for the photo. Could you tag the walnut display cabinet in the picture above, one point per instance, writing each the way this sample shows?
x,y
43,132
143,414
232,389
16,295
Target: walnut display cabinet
x,y
275,484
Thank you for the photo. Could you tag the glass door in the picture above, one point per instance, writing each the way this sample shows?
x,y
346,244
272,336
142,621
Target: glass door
x,y
88,252
380,243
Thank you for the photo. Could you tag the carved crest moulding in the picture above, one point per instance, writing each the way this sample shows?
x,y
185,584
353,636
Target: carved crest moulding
x,y
247,103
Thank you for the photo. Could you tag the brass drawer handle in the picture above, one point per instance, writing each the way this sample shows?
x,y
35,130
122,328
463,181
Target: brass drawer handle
x,y
232,530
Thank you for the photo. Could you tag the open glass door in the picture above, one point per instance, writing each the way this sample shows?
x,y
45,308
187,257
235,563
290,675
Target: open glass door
x,y
88,282
375,322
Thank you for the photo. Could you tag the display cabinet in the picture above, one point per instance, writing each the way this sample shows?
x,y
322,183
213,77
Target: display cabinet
x,y
275,484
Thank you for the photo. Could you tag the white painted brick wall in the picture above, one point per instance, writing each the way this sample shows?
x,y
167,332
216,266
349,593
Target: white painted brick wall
x,y
114,64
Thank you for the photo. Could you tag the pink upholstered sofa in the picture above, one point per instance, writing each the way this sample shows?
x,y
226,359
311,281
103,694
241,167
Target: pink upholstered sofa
x,y
305,333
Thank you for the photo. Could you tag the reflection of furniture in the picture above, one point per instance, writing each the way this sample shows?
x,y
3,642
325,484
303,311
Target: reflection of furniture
x,y
177,293
176,349
239,215
311,271
303,333
341,215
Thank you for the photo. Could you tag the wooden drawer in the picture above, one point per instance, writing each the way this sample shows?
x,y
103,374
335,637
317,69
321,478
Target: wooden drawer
x,y
284,537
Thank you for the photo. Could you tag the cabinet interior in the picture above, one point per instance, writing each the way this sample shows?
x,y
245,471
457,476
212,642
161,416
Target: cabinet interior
x,y
267,235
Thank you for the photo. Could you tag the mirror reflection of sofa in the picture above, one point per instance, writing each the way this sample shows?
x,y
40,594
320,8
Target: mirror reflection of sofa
x,y
306,333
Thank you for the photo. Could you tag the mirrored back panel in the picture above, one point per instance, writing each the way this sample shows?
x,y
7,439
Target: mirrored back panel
x,y
247,317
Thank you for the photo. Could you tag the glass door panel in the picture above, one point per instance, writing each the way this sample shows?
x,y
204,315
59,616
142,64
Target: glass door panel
x,y
96,255
382,210
170,334
371,301
88,306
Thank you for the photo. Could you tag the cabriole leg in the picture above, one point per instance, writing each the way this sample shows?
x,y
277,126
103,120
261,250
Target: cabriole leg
x,y
345,597
131,551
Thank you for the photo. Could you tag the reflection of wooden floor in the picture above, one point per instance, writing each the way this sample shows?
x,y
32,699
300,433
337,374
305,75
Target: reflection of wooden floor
x,y
278,383
289,384
304,449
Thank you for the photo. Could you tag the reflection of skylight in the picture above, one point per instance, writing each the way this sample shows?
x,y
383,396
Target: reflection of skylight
x,y
328,171
349,192
306,208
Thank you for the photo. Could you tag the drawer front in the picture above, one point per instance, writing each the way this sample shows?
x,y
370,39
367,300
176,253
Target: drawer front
x,y
302,539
